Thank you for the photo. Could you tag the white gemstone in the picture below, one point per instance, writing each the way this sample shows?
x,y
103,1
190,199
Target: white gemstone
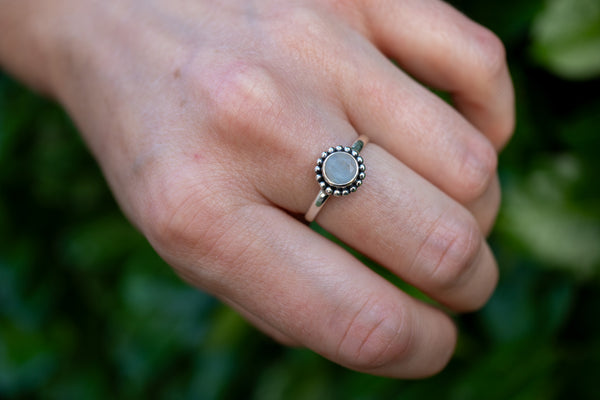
x,y
340,169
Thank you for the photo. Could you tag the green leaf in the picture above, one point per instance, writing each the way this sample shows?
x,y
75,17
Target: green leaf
x,y
538,214
566,38
26,359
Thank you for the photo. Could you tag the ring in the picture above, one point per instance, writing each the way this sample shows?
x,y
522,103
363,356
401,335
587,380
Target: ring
x,y
340,171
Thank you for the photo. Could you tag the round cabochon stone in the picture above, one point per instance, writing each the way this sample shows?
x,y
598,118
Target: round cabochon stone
x,y
340,169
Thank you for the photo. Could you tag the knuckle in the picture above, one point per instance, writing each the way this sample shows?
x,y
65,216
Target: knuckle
x,y
504,127
491,51
451,248
189,229
491,76
376,336
477,170
492,201
173,218
244,94
178,210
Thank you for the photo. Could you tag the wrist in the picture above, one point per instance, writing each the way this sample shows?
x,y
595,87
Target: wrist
x,y
27,41
45,43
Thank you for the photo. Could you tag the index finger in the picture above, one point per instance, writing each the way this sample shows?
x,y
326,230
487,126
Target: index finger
x,y
445,49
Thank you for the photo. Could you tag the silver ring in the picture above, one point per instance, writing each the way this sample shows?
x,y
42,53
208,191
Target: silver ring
x,y
340,171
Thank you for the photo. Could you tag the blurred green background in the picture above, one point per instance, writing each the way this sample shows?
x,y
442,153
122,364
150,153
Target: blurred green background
x,y
88,311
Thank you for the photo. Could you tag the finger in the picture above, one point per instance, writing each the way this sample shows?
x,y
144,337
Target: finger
x,y
485,209
415,231
445,49
410,227
421,130
398,219
311,290
261,323
192,277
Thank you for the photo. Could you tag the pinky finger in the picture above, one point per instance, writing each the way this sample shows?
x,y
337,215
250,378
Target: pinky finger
x,y
262,325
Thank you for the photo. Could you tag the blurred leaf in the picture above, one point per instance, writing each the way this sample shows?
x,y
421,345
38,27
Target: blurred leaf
x,y
509,371
301,375
538,214
26,359
219,357
566,38
83,383
528,305
159,318
510,20
100,242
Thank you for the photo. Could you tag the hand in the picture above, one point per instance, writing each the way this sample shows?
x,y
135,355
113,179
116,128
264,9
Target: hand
x,y
207,118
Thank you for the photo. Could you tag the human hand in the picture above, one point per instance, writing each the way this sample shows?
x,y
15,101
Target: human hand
x,y
207,118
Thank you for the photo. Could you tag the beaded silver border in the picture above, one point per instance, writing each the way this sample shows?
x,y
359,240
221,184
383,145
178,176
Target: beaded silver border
x,y
340,190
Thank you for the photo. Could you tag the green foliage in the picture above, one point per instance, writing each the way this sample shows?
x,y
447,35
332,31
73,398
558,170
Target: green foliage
x,y
539,215
566,38
89,311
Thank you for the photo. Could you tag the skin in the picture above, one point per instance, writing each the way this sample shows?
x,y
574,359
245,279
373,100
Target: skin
x,y
207,119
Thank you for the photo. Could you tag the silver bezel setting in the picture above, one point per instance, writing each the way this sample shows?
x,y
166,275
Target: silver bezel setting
x,y
336,190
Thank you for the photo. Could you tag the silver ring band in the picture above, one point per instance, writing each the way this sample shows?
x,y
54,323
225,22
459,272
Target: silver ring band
x,y
340,171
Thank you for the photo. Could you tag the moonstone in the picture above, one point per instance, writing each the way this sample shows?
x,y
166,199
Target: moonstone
x,y
340,169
